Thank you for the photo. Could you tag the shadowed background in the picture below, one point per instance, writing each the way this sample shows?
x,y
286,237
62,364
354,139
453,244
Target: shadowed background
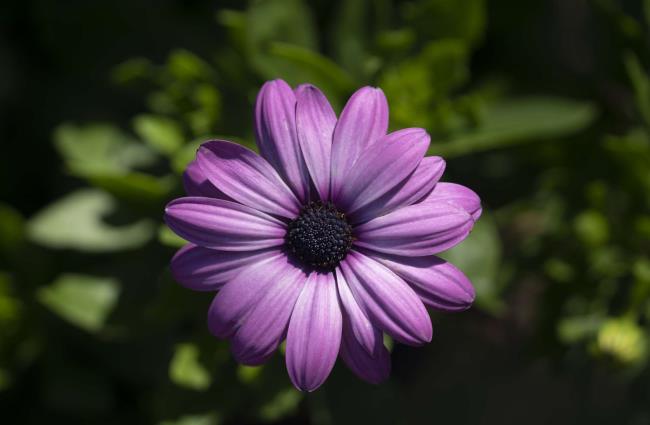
x,y
541,107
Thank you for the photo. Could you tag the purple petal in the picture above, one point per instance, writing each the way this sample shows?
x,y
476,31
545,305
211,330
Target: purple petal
x,y
265,325
382,167
372,368
275,130
197,184
235,300
410,190
360,326
224,225
417,230
315,120
246,177
363,121
254,307
438,283
314,334
387,300
457,194
203,269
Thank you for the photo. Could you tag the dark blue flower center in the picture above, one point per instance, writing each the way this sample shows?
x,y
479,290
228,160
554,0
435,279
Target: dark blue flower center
x,y
320,236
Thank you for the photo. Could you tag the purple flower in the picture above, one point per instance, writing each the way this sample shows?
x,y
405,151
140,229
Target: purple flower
x,y
327,239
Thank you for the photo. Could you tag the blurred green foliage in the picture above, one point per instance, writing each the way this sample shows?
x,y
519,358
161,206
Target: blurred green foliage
x,y
542,107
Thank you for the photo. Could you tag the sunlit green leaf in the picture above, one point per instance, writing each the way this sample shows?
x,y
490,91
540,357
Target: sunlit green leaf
x,y
185,369
99,149
248,374
624,340
479,257
592,228
161,133
78,221
85,301
516,121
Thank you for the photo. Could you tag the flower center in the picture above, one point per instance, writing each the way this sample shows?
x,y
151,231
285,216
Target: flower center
x,y
320,236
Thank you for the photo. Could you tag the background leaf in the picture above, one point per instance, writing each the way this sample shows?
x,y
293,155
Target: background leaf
x,y
78,221
518,121
479,257
185,369
161,133
99,149
85,301
269,21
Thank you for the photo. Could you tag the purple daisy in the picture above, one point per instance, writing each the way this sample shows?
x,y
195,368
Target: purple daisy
x,y
326,239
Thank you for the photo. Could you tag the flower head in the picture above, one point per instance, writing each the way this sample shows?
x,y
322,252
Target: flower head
x,y
326,239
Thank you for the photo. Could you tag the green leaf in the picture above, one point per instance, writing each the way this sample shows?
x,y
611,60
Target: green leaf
x,y
161,133
248,374
10,306
435,19
85,301
169,238
136,187
185,65
348,41
479,257
12,228
77,221
578,328
314,68
623,339
396,41
106,156
592,228
269,21
419,88
641,85
5,379
282,405
99,149
235,23
516,121
185,370
206,419
132,70
184,156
